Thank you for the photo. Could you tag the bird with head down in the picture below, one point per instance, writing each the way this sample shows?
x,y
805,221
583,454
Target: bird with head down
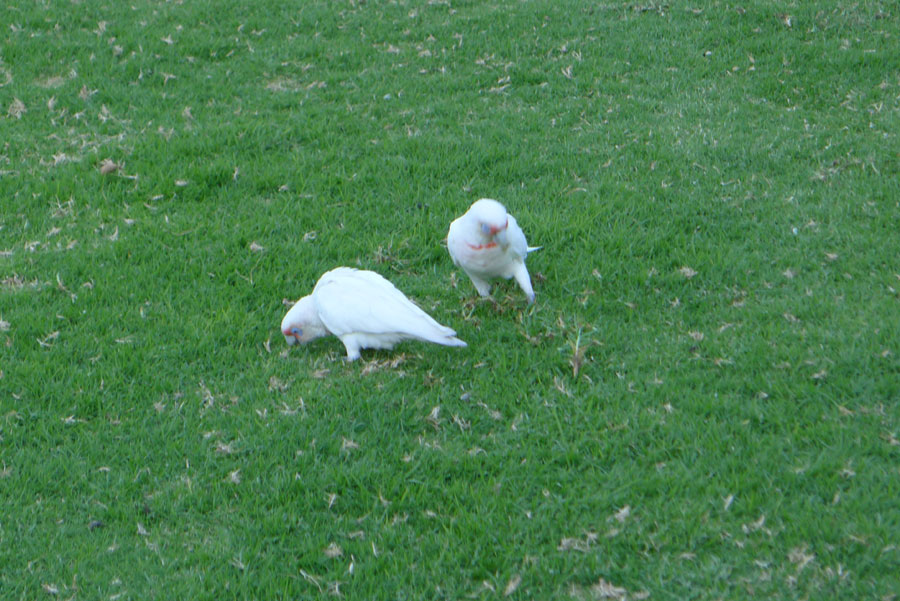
x,y
364,310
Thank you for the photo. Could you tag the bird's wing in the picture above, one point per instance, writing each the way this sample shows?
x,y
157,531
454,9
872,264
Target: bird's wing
x,y
355,301
517,243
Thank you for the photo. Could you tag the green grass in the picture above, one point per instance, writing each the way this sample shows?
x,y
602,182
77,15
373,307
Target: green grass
x,y
732,434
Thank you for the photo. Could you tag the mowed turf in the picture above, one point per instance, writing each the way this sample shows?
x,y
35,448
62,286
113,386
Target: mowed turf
x,y
702,402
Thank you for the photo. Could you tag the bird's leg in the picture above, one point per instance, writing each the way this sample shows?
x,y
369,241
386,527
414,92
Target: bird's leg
x,y
352,346
483,287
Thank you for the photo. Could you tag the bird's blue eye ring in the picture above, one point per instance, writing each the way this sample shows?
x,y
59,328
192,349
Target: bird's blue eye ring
x,y
485,228
297,332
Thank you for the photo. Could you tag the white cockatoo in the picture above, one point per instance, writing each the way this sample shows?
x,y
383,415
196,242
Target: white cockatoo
x,y
364,310
488,244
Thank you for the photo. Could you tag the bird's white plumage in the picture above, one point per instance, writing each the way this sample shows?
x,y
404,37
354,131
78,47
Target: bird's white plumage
x,y
487,243
364,310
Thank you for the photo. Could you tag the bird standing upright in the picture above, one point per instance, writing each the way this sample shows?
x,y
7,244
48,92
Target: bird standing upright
x,y
488,244
364,310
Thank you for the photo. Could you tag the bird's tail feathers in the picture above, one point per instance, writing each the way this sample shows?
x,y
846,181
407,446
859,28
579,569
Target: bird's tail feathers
x,y
524,281
440,335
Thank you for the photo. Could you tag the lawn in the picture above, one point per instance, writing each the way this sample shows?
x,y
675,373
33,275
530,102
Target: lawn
x,y
702,403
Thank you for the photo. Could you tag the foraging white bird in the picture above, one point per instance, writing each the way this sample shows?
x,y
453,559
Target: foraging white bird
x,y
364,310
488,243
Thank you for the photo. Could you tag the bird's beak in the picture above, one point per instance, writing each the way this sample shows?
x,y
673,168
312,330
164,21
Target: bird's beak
x,y
289,337
500,237
503,227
